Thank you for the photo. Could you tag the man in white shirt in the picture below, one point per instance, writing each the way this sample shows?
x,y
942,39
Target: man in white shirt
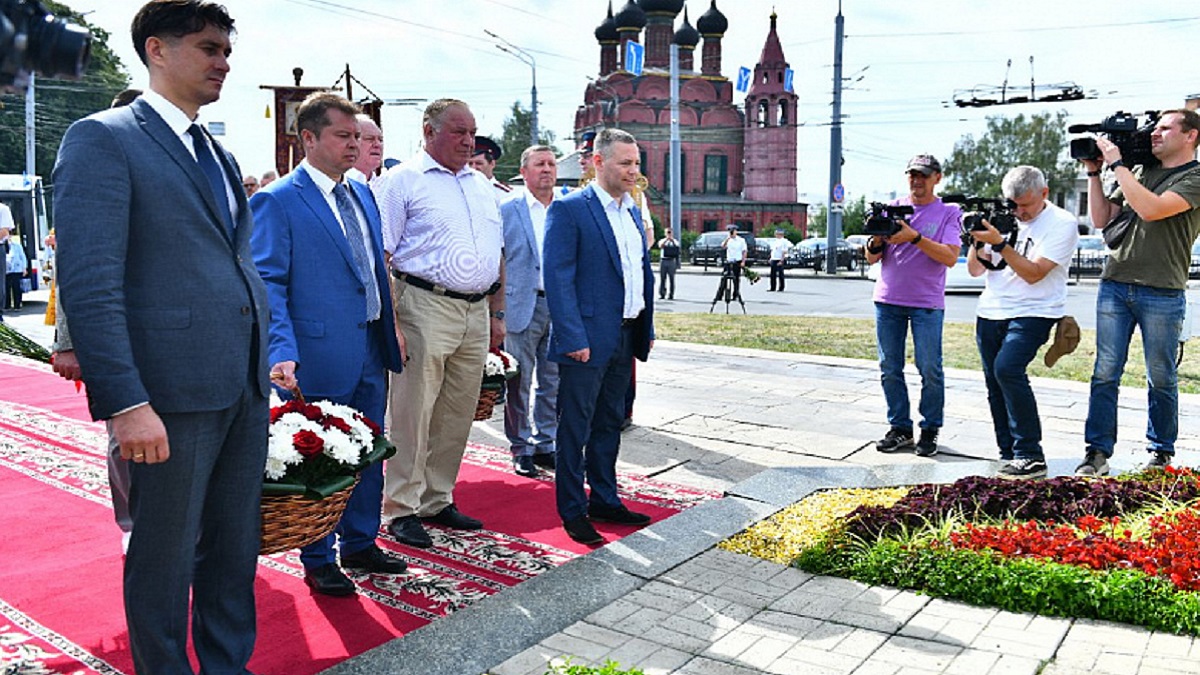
x,y
1025,297
443,237
370,150
779,249
531,407
735,258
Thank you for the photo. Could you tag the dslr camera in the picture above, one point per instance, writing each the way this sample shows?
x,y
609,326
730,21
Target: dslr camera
x,y
34,40
1001,213
883,220
1123,129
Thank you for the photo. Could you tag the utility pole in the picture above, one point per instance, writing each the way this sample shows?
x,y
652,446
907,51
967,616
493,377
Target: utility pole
x,y
526,58
30,132
834,221
676,170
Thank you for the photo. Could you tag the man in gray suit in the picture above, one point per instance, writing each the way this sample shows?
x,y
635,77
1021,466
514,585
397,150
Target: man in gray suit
x,y
169,320
528,317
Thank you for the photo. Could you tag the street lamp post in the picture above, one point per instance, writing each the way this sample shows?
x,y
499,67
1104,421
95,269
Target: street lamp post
x,y
526,58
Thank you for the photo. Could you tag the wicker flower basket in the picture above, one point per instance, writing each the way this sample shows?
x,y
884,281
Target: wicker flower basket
x,y
488,398
294,520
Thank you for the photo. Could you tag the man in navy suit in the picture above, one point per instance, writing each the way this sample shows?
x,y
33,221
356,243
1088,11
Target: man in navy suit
x,y
528,317
169,324
600,290
319,248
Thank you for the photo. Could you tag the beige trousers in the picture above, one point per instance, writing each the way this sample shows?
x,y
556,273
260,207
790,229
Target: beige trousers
x,y
432,402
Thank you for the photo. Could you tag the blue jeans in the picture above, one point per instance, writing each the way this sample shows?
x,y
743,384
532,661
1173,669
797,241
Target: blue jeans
x,y
1158,314
891,333
1006,347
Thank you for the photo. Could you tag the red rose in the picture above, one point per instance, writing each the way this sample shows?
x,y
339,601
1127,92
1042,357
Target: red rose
x,y
336,423
313,412
375,430
308,443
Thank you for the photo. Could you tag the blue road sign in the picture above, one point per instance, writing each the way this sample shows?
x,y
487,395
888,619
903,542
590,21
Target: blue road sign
x,y
787,80
743,81
839,192
635,54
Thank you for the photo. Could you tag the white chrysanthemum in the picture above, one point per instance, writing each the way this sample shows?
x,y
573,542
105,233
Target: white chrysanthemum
x,y
340,447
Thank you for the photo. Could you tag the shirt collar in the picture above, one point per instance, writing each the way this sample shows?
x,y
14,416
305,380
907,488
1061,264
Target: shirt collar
x,y
532,201
607,200
170,113
428,163
323,182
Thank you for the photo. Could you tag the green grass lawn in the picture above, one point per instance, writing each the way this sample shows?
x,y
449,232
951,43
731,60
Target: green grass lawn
x,y
855,339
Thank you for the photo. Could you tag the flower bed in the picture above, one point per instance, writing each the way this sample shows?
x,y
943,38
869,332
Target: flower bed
x,y
1121,549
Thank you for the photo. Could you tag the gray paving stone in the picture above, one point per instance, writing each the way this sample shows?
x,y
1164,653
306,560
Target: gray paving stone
x,y
702,666
1176,664
1117,664
829,660
668,543
596,634
911,653
1166,644
569,645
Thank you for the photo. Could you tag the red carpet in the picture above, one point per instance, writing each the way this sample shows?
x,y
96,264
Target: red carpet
x,y
60,589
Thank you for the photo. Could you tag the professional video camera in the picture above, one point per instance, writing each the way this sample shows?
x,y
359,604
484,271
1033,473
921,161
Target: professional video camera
x,y
1125,133
33,40
883,220
999,212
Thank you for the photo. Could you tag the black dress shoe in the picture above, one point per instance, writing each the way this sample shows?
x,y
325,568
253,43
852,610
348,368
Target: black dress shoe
x,y
372,559
524,466
621,516
408,531
544,460
582,531
328,579
451,517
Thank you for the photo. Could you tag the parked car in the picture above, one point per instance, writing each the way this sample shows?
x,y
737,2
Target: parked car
x,y
959,280
707,249
1194,268
1090,255
858,241
810,253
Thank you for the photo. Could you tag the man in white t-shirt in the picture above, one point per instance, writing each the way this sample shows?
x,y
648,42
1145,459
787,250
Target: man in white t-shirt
x,y
1025,297
779,250
735,257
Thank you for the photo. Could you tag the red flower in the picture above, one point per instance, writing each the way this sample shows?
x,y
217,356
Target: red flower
x,y
336,423
308,443
375,430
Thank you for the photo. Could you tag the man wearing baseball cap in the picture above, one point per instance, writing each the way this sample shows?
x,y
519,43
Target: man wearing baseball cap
x,y
911,292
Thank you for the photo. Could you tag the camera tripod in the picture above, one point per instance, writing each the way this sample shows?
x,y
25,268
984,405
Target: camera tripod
x,y
729,288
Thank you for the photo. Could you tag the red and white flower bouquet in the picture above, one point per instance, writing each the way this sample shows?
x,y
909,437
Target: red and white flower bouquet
x,y
318,448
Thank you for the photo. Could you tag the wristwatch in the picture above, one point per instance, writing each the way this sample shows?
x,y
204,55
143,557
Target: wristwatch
x,y
498,314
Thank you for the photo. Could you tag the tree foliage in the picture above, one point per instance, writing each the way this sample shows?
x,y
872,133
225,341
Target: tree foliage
x,y
976,167
59,102
515,138
852,219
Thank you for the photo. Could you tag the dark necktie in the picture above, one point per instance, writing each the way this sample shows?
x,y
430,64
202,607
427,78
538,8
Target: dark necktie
x,y
358,248
214,174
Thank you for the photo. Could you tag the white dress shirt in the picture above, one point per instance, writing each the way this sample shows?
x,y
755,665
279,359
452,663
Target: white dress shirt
x,y
537,216
631,244
441,226
179,123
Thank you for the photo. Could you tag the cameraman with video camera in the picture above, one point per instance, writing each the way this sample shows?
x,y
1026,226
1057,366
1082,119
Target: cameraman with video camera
x,y
1024,297
915,255
1144,281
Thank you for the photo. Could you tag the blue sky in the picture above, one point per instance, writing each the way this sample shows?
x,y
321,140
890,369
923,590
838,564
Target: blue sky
x,y
905,60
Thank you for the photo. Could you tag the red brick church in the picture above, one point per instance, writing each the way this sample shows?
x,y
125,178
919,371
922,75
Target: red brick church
x,y
738,163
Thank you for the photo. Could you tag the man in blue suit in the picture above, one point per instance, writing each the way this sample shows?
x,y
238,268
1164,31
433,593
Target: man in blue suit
x,y
169,324
528,317
600,289
319,248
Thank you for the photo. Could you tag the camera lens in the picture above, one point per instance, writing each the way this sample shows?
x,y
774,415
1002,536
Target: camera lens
x,y
56,47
